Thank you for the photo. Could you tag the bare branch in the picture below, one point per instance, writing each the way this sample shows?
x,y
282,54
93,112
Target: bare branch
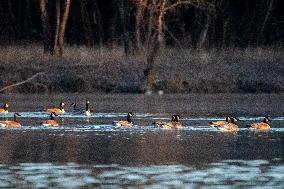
x,y
195,3
22,82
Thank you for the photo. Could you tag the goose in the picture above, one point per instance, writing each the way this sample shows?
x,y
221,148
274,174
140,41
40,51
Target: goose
x,y
51,122
87,109
59,110
4,110
229,127
218,123
12,124
260,126
75,109
86,112
128,121
174,123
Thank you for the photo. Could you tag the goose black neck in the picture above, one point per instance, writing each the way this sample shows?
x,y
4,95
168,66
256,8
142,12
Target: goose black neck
x,y
5,107
177,119
129,118
87,106
233,121
227,119
51,116
74,106
15,118
61,106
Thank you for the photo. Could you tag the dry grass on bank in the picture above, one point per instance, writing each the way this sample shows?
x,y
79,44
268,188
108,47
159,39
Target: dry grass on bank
x,y
82,69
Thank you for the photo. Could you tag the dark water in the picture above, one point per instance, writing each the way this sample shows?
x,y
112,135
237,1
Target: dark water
x,y
90,152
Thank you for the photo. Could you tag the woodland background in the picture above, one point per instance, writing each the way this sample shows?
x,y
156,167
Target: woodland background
x,y
178,46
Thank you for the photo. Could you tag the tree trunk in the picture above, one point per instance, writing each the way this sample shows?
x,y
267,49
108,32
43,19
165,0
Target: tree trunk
x,y
204,33
151,45
125,33
45,25
267,15
111,38
55,47
160,25
141,7
150,26
88,33
98,22
53,25
63,24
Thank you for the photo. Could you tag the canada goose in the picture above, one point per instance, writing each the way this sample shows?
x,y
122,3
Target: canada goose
x,y
218,123
75,109
51,122
260,126
87,110
12,124
174,123
59,110
230,127
4,110
128,121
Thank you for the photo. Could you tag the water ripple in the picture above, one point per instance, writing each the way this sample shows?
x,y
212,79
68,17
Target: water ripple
x,y
224,174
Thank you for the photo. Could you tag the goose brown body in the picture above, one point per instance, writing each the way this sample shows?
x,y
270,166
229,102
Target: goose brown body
x,y
51,122
4,110
126,123
59,110
11,124
218,123
174,123
123,123
260,126
229,127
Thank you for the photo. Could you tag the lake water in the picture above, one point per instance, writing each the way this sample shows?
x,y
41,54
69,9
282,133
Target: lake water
x,y
89,152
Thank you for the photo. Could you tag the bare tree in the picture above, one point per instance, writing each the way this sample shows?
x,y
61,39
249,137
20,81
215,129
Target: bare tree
x,y
266,18
54,26
157,10
45,25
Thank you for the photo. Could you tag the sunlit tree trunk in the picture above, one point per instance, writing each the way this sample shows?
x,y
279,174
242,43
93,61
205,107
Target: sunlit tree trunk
x,y
62,26
55,47
160,24
204,33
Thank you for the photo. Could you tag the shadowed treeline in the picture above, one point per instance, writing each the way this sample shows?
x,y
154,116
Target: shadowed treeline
x,y
98,22
137,46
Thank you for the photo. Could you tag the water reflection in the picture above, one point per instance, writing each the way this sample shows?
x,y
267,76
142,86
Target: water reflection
x,y
228,174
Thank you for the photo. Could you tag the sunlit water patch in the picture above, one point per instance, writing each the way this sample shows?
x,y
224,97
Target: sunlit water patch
x,y
223,174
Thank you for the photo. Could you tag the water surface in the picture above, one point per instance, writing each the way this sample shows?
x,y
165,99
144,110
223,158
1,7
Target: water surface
x,y
90,152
